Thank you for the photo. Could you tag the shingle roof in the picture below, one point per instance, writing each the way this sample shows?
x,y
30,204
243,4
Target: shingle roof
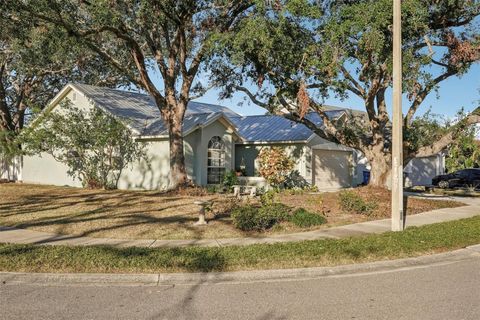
x,y
140,110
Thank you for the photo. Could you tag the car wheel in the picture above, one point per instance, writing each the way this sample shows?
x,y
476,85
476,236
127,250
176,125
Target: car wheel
x,y
443,184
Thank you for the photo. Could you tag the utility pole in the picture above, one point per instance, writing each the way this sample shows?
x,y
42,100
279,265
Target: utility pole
x,y
397,119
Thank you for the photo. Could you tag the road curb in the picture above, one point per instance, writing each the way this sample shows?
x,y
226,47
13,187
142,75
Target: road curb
x,y
169,279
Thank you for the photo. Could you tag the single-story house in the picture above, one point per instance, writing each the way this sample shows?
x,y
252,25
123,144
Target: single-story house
x,y
216,140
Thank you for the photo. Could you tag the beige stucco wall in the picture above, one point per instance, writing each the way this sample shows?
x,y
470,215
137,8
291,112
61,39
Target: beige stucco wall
x,y
44,169
152,173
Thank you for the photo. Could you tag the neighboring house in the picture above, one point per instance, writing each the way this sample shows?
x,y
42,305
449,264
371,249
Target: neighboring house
x,y
216,140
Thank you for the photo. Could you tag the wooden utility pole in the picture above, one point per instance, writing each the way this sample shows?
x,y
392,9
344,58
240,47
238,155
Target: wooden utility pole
x,y
397,119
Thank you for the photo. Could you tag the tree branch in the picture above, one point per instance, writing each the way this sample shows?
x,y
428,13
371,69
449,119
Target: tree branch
x,y
449,137
252,96
423,94
357,89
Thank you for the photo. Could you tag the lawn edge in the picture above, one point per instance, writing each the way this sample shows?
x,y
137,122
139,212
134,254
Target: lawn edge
x,y
169,279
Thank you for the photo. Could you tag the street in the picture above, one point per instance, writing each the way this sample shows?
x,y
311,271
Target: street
x,y
441,291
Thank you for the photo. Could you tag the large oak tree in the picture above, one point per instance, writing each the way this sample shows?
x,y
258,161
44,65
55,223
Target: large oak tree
x,y
144,38
291,60
36,61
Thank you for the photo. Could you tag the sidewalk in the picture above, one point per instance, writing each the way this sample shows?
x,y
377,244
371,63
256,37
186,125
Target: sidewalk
x,y
24,236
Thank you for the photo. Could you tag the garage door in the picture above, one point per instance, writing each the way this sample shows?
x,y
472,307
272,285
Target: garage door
x,y
331,169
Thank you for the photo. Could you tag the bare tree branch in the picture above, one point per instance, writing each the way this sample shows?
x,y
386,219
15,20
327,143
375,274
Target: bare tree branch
x,y
423,94
252,96
357,89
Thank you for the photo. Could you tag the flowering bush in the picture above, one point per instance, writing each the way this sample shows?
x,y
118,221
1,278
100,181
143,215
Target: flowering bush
x,y
275,165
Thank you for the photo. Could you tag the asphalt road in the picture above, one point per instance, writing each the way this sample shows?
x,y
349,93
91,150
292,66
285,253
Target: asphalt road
x,y
450,291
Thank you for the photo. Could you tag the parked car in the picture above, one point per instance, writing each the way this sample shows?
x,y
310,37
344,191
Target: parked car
x,y
457,179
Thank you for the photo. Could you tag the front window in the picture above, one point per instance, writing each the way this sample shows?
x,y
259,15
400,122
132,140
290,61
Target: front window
x,y
216,160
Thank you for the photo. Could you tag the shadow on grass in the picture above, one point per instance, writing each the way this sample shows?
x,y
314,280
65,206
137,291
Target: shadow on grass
x,y
112,258
106,210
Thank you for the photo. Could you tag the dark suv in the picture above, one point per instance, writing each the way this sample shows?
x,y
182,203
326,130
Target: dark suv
x,y
460,178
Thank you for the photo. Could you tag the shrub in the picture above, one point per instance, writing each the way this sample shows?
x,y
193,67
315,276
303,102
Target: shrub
x,y
95,146
277,210
304,219
352,202
229,180
274,165
212,188
296,181
251,218
268,197
244,217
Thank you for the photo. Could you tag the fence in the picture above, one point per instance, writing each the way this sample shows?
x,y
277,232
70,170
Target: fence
x,y
11,169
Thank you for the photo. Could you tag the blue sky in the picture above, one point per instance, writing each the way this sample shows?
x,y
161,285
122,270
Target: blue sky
x,y
453,94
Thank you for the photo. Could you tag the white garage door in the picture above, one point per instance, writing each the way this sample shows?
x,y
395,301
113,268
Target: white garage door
x,y
331,169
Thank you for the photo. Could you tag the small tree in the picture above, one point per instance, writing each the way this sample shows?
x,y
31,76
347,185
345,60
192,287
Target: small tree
x,y
463,153
275,165
95,146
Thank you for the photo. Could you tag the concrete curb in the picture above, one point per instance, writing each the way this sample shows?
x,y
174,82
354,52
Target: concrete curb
x,y
169,279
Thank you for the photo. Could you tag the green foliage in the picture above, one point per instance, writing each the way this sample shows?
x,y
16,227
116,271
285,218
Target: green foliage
x,y
464,152
9,145
230,179
296,181
352,202
268,197
348,51
95,146
212,188
304,219
275,165
175,38
37,60
423,130
252,218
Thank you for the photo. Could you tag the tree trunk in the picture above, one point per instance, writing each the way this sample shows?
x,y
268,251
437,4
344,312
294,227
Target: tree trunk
x,y
380,170
178,173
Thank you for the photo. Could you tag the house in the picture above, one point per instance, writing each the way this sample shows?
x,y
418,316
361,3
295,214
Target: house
x,y
216,140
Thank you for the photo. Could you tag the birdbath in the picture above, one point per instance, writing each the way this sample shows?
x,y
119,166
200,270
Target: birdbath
x,y
201,214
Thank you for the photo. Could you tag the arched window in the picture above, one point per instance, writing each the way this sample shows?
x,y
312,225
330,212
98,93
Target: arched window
x,y
215,160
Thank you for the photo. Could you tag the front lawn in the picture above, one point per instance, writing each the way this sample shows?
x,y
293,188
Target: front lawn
x,y
329,204
412,242
155,215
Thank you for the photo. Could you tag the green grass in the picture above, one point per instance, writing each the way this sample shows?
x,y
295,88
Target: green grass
x,y
412,242
304,219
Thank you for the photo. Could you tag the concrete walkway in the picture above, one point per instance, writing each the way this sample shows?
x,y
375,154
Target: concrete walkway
x,y
24,236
